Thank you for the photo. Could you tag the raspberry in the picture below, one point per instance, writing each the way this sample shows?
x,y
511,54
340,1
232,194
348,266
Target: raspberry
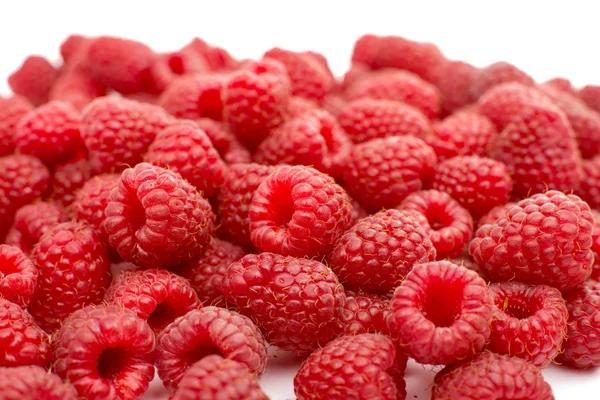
x,y
378,252
590,94
400,86
76,88
368,119
106,352
118,131
121,64
33,382
581,348
72,45
31,222
74,270
227,145
295,301
299,105
495,214
562,84
18,276
194,96
315,138
491,376
184,148
596,247
382,172
255,100
454,82
476,183
544,239
156,296
364,313
298,211
216,58
204,332
333,103
12,110
441,313
170,66
68,177
467,262
308,77
464,133
22,342
235,197
34,79
362,366
156,219
496,74
93,197
589,188
527,322
207,272
215,377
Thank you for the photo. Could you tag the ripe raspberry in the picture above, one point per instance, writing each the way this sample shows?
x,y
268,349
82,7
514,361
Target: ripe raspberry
x,y
121,64
74,270
184,148
495,214
441,313
216,58
496,74
368,119
596,247
589,187
527,322
22,342
31,222
590,94
34,79
364,313
467,262
118,132
491,376
400,86
71,47
18,276
298,211
476,183
464,133
12,110
255,100
308,77
207,272
76,88
227,145
235,197
106,352
68,177
313,139
382,172
295,301
299,105
91,200
362,367
33,382
544,239
195,96
562,84
156,296
454,82
377,253
581,348
170,66
156,219
204,332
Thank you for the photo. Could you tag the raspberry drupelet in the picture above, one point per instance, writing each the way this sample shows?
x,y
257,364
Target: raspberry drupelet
x,y
18,276
33,383
31,222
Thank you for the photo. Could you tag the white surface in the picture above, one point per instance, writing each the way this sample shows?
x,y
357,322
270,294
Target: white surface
x,y
544,38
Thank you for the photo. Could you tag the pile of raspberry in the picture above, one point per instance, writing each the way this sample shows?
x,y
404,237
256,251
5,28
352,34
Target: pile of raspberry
x,y
179,213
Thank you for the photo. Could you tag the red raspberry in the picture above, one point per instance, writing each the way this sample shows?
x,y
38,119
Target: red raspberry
x,y
207,272
454,82
298,211
562,84
18,276
467,262
156,219
315,138
31,222
299,105
204,332
76,88
496,74
378,252
382,172
590,94
34,79
12,110
184,148
68,177
72,45
118,132
156,296
50,132
333,103
368,119
235,197
495,214
227,145
362,366
364,313
400,86
216,58
527,322
464,133
355,73
22,342
215,377
596,247
309,78
106,352
74,270
581,348
544,239
476,183
441,313
491,376
33,382
195,96
170,66
295,301
255,100
93,198
589,188
121,64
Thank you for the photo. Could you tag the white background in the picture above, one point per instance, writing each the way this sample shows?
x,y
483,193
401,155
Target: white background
x,y
544,38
